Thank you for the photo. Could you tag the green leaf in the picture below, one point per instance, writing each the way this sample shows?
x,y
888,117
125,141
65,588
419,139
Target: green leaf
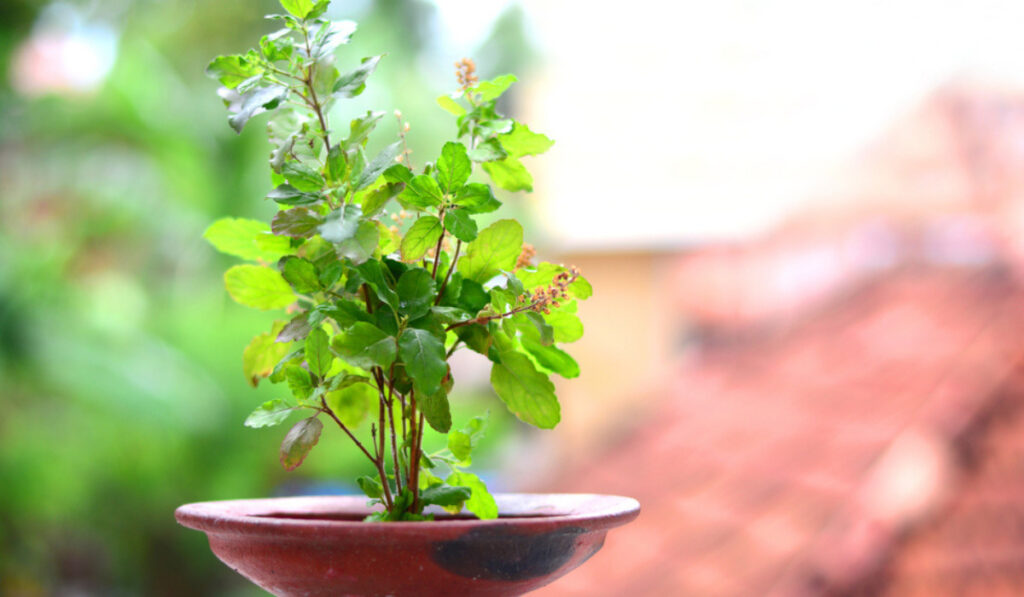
x,y
492,89
447,315
351,403
301,274
302,177
318,352
566,325
299,441
324,72
298,222
255,102
374,274
233,70
258,287
262,354
365,345
381,162
422,192
353,82
476,337
477,198
416,292
361,246
399,173
347,380
420,238
296,329
242,238
341,224
390,240
277,46
326,38
331,273
552,358
337,163
496,248
453,167
460,445
298,8
522,141
270,413
318,9
424,358
545,333
488,151
360,127
371,487
460,224
448,104
473,296
345,312
299,382
436,410
286,194
445,495
527,393
509,174
480,502
373,201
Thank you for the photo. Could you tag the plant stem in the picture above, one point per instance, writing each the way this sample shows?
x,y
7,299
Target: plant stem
x,y
379,376
317,108
487,318
414,457
380,462
440,240
359,444
415,484
448,276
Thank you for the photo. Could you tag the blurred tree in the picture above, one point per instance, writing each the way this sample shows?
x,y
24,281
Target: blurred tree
x,y
121,394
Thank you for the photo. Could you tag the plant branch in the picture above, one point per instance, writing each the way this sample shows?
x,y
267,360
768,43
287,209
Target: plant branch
x,y
380,460
448,275
358,443
415,484
440,240
486,318
379,376
317,108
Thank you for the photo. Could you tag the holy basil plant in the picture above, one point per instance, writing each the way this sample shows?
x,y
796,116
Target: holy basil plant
x,y
383,270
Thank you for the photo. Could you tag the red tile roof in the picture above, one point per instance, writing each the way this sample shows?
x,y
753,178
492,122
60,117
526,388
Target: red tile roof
x,y
875,446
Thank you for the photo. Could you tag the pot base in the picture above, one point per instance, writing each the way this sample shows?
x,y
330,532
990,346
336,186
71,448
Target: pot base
x,y
319,546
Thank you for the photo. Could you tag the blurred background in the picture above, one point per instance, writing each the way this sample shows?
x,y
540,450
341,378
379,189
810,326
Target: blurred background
x,y
802,221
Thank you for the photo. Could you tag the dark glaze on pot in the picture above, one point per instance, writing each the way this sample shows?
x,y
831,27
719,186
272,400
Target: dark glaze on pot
x,y
318,546
503,554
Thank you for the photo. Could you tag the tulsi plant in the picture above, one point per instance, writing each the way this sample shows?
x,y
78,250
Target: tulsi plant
x,y
384,272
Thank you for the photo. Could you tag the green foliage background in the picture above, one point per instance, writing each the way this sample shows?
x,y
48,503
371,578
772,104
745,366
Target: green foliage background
x,y
121,392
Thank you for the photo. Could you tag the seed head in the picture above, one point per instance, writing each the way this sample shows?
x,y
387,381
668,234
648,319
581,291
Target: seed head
x,y
526,256
543,299
465,73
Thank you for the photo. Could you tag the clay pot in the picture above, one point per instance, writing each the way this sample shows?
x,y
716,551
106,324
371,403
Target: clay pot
x,y
314,546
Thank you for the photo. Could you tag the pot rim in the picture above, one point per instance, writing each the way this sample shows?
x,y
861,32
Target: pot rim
x,y
277,516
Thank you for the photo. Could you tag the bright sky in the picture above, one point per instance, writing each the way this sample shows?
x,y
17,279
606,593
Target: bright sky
x,y
678,122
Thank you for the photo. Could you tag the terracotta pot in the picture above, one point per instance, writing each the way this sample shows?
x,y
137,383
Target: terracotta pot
x,y
319,545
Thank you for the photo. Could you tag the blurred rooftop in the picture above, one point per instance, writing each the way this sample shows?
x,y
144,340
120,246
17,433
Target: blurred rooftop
x,y
848,420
